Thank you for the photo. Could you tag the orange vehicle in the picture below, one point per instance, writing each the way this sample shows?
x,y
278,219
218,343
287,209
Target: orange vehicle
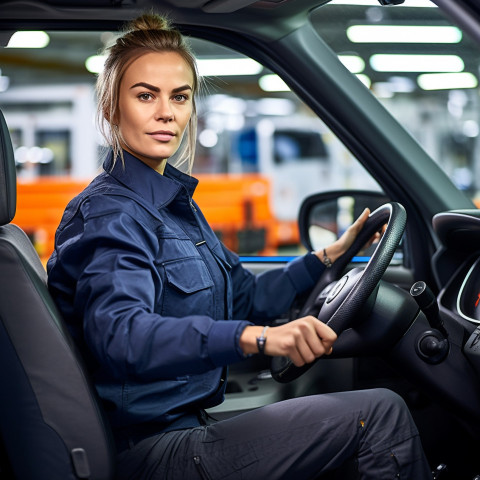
x,y
243,220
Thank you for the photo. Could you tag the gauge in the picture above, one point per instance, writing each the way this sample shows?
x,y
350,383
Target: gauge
x,y
468,300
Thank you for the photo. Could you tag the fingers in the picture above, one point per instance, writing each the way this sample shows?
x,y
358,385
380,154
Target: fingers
x,y
302,340
340,246
375,237
360,221
352,231
358,224
327,335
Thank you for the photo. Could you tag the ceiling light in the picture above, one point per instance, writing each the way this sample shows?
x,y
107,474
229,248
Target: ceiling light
x,y
416,63
370,3
364,79
219,67
447,81
208,138
33,39
95,63
273,83
354,63
403,34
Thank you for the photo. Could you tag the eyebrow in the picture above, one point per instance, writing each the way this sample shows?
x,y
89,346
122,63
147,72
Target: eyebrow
x,y
153,88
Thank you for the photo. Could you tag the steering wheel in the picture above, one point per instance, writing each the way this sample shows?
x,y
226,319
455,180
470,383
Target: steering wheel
x,y
347,296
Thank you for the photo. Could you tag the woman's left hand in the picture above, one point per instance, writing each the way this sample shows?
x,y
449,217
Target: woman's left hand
x,y
340,246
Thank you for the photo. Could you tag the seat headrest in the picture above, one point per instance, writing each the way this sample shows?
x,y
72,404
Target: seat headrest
x,y
8,176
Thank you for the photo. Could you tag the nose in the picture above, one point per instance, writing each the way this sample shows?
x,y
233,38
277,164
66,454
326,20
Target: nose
x,y
164,111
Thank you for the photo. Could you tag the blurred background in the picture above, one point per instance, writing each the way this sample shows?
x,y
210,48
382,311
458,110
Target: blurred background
x,y
260,149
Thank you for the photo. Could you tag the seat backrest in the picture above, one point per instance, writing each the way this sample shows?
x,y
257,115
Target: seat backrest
x,y
51,422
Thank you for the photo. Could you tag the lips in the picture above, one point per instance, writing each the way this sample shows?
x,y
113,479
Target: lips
x,y
162,135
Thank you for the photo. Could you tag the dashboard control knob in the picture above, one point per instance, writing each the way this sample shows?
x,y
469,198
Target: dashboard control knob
x,y
432,346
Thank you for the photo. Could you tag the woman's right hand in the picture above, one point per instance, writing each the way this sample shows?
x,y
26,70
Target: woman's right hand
x,y
302,340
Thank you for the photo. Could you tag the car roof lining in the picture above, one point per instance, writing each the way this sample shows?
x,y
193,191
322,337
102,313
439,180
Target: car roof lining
x,y
71,14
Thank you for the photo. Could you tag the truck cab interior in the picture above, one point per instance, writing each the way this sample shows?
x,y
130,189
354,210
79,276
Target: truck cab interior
x,y
407,310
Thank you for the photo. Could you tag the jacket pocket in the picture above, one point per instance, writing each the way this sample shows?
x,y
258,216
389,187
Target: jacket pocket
x,y
189,288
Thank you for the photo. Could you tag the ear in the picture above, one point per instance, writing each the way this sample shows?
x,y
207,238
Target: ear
x,y
111,118
115,119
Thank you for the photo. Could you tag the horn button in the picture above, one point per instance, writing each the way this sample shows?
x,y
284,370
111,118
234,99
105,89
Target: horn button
x,y
337,289
338,293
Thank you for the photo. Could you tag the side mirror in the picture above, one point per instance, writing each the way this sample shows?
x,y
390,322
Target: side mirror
x,y
325,216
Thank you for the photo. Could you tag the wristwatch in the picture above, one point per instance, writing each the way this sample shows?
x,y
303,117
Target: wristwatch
x,y
326,261
261,341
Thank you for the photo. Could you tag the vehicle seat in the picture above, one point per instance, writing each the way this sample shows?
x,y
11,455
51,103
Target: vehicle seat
x,y
51,422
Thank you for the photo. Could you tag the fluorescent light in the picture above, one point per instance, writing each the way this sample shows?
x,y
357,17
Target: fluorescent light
x,y
403,34
219,67
364,79
354,63
32,39
416,63
408,3
95,63
214,67
273,83
447,81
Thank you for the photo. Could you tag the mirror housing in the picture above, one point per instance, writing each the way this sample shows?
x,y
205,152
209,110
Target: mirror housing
x,y
323,217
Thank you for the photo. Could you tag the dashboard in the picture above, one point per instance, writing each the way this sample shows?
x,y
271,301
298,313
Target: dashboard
x,y
468,298
457,264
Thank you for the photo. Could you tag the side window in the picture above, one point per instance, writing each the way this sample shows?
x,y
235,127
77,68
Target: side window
x,y
260,150
266,151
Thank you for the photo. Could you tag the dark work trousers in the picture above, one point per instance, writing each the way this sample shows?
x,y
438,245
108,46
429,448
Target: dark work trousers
x,y
297,439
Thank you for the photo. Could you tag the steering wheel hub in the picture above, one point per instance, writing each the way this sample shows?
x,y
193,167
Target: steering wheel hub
x,y
337,289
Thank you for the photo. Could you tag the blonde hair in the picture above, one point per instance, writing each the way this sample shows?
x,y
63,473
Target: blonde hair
x,y
148,33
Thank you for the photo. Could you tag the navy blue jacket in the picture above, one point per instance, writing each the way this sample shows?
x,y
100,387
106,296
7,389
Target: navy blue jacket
x,y
156,303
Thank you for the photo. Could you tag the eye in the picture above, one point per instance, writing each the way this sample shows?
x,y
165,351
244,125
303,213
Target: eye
x,y
181,97
145,96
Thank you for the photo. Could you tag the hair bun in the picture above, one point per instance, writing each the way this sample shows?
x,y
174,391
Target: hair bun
x,y
149,21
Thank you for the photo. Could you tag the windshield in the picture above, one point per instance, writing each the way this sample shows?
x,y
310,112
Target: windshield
x,y
260,149
422,68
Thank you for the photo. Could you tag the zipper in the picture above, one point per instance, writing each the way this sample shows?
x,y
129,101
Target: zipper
x,y
194,209
394,457
200,468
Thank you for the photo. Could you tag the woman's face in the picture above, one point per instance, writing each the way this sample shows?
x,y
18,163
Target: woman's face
x,y
154,107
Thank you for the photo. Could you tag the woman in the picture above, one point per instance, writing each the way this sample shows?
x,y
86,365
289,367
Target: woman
x,y
159,307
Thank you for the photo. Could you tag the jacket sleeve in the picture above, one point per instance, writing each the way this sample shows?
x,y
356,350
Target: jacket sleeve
x,y
117,290
267,295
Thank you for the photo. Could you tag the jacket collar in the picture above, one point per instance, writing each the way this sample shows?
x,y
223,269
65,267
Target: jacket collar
x,y
154,187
